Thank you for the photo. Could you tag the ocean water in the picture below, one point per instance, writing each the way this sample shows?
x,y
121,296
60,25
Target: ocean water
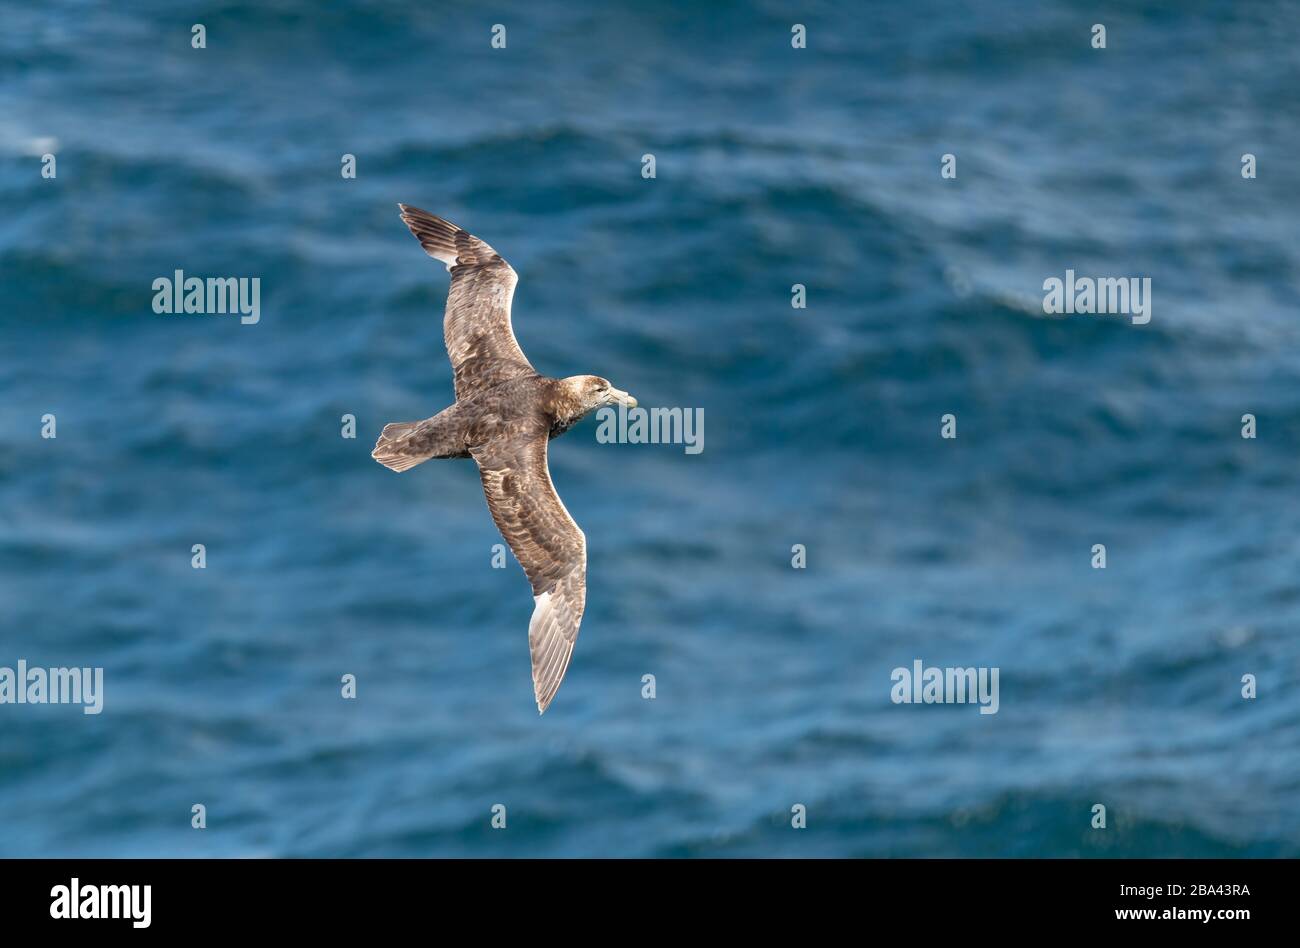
x,y
774,166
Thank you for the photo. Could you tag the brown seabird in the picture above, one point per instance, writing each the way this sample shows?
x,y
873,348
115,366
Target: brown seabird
x,y
504,416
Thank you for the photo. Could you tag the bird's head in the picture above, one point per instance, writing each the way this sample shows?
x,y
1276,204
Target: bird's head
x,y
592,392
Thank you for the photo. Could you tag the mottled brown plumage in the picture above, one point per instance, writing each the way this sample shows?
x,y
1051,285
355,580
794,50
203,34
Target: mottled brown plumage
x,y
504,416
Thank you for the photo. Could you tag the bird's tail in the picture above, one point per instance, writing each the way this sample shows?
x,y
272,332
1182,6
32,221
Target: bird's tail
x,y
397,450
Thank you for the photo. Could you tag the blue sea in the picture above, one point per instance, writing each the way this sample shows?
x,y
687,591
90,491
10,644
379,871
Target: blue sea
x,y
774,166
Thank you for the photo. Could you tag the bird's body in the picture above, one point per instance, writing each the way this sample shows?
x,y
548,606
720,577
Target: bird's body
x,y
521,405
504,416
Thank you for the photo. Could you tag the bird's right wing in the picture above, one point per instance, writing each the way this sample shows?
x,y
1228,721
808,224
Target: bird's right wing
x,y
476,328
548,544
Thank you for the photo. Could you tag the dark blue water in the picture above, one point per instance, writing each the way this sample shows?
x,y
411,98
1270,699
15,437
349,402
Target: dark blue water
x,y
775,166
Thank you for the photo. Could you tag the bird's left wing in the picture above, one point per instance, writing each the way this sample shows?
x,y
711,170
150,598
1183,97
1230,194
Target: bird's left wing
x,y
548,544
476,327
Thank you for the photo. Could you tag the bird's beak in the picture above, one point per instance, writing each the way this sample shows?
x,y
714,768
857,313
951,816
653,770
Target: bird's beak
x,y
623,398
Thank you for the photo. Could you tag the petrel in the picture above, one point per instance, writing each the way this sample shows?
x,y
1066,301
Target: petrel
x,y
504,416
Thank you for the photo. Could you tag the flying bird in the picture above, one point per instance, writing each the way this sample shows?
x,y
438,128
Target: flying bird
x,y
504,417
